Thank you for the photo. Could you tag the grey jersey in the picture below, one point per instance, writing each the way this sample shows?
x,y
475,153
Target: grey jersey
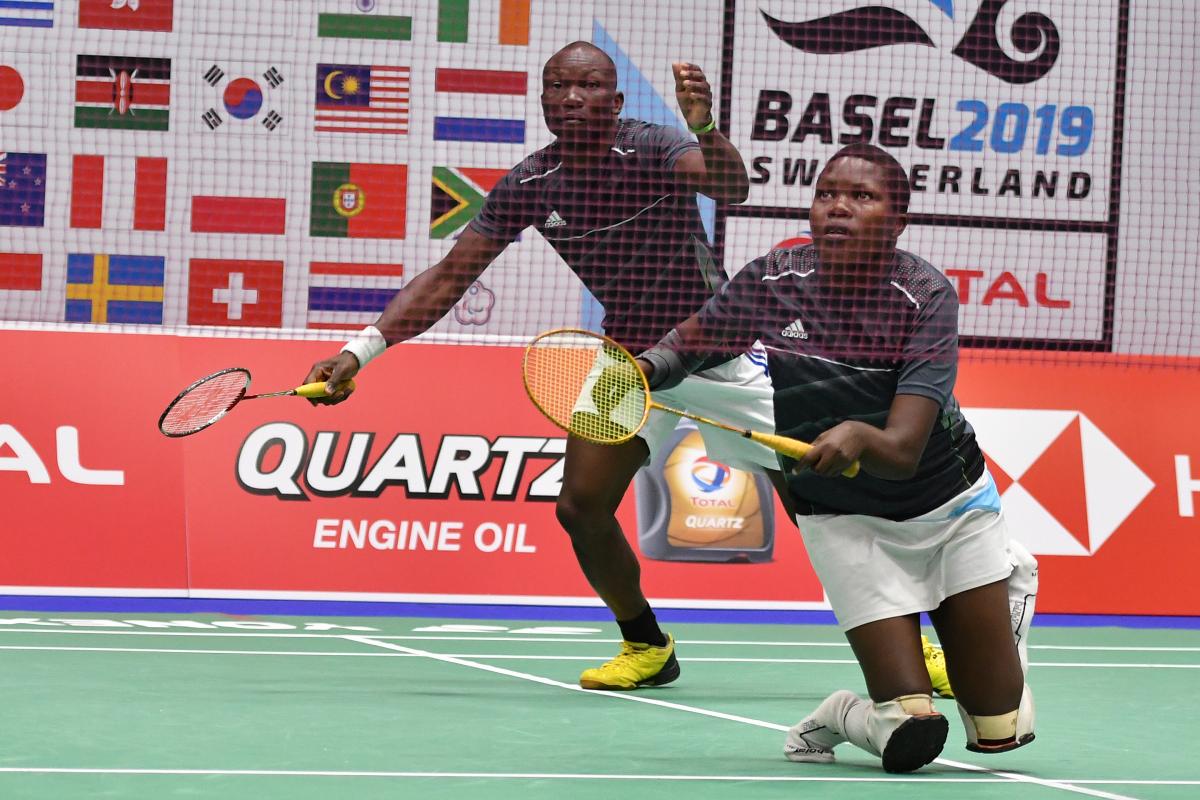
x,y
838,355
626,229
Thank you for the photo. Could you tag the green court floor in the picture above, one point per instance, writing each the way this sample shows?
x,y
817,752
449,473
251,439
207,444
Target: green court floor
x,y
231,707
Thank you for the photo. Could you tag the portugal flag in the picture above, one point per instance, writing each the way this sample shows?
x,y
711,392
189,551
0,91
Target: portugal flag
x,y
359,201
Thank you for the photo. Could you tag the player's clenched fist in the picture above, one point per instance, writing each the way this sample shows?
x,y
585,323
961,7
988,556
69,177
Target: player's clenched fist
x,y
694,94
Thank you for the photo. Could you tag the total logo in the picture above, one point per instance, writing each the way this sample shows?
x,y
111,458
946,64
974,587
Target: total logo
x,y
1065,485
709,475
805,237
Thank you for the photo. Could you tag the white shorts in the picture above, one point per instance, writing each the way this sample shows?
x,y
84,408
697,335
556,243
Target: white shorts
x,y
737,393
874,568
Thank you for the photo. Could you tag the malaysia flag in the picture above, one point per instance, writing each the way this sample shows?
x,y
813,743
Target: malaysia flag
x,y
361,99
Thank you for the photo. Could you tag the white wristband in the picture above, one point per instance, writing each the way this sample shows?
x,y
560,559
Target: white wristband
x,y
367,345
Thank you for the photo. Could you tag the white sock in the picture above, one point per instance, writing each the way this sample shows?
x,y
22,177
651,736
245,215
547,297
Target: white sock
x,y
846,717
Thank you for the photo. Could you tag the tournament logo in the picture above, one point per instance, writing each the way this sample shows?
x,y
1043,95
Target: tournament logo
x,y
876,26
1007,117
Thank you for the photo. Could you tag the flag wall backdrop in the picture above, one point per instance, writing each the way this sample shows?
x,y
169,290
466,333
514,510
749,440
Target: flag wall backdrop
x,y
1043,138
273,133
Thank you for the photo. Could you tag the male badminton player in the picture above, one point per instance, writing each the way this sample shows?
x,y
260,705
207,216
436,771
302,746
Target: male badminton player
x,y
920,529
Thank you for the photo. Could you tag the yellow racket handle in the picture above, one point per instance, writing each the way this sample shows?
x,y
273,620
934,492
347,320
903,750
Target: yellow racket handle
x,y
793,448
318,389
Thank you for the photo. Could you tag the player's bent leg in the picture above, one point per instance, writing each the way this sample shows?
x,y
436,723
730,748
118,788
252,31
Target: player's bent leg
x,y
900,725
635,666
999,733
595,479
1022,587
906,732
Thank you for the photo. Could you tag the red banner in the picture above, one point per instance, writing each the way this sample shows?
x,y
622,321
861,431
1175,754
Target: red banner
x,y
437,481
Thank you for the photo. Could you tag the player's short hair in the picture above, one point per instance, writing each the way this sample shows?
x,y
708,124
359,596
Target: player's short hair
x,y
588,47
894,176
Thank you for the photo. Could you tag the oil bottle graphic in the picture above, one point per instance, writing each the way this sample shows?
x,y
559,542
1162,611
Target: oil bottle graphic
x,y
693,508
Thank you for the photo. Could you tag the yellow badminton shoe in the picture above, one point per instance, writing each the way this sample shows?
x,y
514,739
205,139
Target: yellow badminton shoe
x,y
935,663
636,665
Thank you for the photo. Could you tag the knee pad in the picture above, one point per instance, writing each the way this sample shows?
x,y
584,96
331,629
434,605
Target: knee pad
x,y
1022,595
1000,732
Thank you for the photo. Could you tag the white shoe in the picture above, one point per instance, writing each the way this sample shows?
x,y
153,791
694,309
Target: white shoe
x,y
812,739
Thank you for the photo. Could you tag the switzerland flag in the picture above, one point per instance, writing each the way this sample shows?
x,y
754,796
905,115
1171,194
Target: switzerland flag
x,y
130,15
235,292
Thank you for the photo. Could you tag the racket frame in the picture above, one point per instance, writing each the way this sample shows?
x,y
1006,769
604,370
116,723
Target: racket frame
x,y
195,384
601,342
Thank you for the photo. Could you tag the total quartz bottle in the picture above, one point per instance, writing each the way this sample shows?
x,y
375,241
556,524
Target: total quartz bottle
x,y
693,508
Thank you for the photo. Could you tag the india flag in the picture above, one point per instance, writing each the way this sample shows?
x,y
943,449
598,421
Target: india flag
x,y
365,19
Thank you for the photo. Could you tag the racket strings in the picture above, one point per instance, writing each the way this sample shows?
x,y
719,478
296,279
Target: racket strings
x,y
204,403
589,389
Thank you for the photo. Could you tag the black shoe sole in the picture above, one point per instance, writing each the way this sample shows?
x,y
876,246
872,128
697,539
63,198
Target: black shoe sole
x,y
668,673
1001,748
915,743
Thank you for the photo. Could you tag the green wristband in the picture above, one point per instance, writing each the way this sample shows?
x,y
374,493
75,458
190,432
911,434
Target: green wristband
x,y
711,126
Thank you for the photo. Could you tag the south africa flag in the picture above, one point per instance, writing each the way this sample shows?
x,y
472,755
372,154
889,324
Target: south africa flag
x,y
458,195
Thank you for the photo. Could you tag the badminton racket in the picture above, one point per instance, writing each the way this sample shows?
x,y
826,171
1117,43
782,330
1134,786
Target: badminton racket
x,y
213,396
589,385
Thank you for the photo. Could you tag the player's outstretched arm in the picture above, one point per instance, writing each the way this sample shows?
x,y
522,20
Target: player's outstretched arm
x,y
718,169
413,310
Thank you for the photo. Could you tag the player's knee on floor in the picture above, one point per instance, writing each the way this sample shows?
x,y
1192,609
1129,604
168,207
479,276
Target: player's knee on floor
x,y
912,731
1000,732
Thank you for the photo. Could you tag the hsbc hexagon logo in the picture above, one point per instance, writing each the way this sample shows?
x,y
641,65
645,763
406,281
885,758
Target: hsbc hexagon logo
x,y
1066,486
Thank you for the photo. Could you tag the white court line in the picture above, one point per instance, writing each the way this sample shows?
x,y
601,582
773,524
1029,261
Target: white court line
x,y
524,657
206,652
1069,787
567,776
557,638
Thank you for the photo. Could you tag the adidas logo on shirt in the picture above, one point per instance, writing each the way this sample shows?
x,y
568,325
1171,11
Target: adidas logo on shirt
x,y
554,221
795,331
